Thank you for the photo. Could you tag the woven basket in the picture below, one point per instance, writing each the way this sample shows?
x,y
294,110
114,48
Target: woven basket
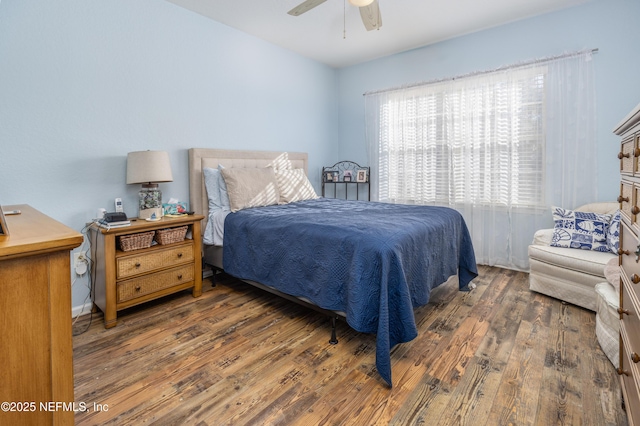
x,y
171,235
136,241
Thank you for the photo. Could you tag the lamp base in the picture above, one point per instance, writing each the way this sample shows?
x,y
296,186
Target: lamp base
x,y
148,213
150,201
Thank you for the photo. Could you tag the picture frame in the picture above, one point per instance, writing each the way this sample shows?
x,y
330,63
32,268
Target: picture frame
x,y
336,176
4,230
347,176
328,176
361,176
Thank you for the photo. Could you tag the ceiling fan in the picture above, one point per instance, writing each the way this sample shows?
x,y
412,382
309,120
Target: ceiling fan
x,y
369,11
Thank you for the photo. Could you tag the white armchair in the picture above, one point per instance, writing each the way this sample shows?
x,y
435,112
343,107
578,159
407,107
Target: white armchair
x,y
565,273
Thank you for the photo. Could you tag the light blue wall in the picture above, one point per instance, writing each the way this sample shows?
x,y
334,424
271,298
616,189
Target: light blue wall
x,y
84,82
609,25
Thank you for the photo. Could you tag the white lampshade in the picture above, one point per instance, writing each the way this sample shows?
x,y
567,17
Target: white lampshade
x,y
148,167
361,3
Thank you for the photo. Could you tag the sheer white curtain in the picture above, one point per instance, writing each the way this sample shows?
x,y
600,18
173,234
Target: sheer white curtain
x,y
501,147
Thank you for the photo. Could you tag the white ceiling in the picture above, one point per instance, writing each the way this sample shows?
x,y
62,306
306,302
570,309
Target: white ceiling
x,y
406,24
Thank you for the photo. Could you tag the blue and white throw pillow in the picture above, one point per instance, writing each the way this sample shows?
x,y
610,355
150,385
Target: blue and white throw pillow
x,y
580,230
613,233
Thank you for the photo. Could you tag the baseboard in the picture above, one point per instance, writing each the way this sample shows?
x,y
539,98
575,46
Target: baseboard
x,y
81,310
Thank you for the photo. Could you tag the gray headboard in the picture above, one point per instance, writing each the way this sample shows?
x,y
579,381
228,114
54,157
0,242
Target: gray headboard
x,y
206,157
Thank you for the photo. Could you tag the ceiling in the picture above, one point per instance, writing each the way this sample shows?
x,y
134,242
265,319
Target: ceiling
x,y
319,34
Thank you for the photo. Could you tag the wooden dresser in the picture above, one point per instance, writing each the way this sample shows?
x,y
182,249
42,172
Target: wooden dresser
x,y
36,349
128,278
629,199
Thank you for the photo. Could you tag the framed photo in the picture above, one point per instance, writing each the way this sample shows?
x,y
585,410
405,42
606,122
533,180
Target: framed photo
x,y
328,176
347,175
361,176
4,231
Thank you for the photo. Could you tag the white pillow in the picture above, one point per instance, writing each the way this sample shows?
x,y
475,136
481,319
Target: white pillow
x,y
252,187
294,185
281,162
212,185
224,195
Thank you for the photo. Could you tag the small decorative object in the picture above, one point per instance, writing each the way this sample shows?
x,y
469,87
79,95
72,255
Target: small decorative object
x,y
149,168
336,176
328,176
361,176
347,175
4,231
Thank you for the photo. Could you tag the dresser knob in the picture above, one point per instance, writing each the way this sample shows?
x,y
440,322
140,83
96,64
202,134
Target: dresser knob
x,y
635,278
138,265
179,255
635,358
635,210
622,155
180,276
621,372
138,288
622,199
623,311
621,252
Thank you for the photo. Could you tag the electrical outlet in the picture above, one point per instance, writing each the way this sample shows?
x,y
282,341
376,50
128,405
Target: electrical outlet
x,y
79,257
80,262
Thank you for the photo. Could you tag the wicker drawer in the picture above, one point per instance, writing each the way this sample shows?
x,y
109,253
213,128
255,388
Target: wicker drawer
x,y
627,157
137,287
627,201
129,266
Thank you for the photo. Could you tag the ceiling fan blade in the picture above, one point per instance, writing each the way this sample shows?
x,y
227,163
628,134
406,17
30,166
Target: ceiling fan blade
x,y
305,7
371,17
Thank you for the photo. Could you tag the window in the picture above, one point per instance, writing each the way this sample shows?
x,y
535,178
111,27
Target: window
x,y
501,147
479,140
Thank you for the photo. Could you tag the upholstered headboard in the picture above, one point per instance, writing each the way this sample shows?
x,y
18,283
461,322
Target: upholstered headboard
x,y
205,157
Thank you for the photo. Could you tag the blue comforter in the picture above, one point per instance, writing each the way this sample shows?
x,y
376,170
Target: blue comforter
x,y
373,261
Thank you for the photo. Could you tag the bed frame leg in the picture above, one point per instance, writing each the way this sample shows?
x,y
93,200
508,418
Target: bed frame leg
x,y
214,272
334,339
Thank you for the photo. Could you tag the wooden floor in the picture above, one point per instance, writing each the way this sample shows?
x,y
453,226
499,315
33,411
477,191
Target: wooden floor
x,y
499,355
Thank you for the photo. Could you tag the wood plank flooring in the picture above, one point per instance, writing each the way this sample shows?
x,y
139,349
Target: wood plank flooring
x,y
498,355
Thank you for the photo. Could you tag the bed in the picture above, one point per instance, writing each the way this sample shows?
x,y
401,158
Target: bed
x,y
370,262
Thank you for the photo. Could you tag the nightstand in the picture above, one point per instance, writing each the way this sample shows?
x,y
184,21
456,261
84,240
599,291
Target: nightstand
x,y
127,278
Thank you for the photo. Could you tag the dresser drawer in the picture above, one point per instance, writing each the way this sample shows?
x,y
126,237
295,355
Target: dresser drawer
x,y
128,266
628,159
630,388
631,317
628,260
136,287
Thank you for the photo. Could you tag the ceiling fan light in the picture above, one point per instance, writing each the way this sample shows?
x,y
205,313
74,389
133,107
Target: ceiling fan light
x,y
361,3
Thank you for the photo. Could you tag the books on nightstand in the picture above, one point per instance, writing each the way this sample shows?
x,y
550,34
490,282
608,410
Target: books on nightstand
x,y
113,220
110,225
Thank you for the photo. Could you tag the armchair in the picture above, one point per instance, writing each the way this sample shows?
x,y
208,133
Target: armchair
x,y
565,273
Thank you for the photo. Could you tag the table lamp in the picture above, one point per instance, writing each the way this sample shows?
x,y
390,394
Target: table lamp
x,y
149,168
